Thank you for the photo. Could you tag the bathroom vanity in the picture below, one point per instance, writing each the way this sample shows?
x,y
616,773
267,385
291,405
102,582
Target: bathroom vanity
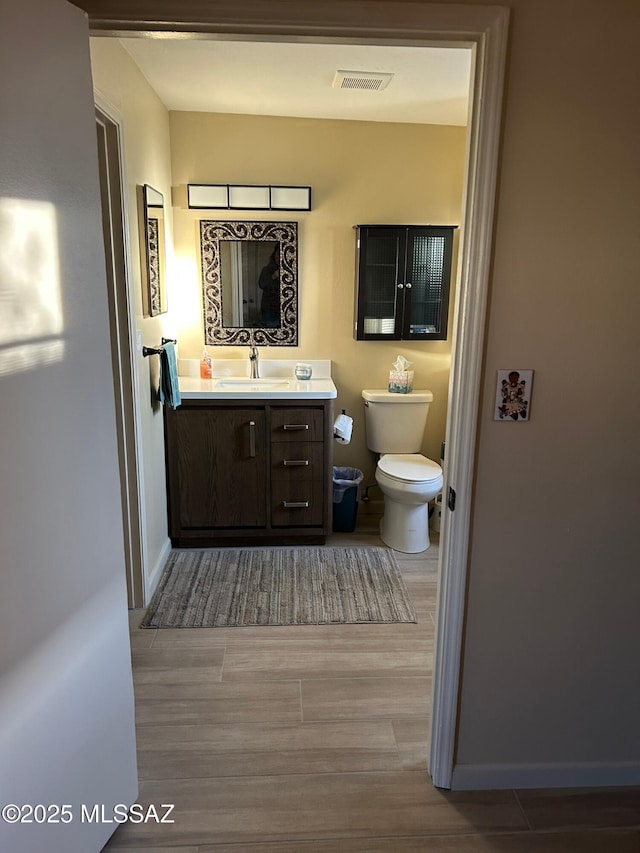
x,y
250,462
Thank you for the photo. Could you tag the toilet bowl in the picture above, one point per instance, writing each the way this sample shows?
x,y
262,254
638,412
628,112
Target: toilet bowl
x,y
408,482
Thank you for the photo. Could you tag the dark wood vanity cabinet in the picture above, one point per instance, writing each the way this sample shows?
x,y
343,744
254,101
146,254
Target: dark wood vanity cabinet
x,y
404,274
249,473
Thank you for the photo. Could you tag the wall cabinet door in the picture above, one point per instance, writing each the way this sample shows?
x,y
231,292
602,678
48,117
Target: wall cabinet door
x,y
218,462
404,275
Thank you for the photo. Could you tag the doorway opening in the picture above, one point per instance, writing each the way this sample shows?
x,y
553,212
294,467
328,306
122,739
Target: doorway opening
x,y
484,30
115,248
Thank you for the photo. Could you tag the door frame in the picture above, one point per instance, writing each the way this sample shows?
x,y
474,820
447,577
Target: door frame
x,y
484,29
124,363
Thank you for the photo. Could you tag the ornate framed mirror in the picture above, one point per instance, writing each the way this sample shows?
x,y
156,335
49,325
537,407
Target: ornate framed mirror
x,y
249,283
152,251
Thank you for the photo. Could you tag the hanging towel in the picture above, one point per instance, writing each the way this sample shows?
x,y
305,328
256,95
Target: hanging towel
x,y
168,390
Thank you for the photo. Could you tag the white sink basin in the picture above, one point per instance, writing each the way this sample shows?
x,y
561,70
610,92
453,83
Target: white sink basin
x,y
244,383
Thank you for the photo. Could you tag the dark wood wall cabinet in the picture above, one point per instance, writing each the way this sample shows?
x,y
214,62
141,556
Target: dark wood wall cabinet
x,y
404,277
242,473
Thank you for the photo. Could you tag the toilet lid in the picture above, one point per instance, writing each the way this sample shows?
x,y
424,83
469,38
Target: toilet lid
x,y
412,467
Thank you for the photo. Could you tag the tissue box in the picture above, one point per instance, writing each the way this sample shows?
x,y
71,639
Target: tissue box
x,y
401,381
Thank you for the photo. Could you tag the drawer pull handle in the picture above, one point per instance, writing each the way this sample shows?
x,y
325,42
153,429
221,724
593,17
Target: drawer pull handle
x,y
295,426
252,438
295,504
290,462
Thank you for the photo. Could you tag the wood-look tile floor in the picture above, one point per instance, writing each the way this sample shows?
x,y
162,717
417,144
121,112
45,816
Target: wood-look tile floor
x,y
313,739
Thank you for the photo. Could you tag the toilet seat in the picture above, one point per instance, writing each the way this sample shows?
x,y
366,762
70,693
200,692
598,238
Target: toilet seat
x,y
410,468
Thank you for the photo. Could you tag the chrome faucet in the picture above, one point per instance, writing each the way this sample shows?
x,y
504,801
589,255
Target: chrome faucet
x,y
254,360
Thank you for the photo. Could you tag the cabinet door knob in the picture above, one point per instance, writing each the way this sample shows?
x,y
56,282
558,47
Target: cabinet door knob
x,y
295,504
252,438
288,462
295,426
400,286
408,285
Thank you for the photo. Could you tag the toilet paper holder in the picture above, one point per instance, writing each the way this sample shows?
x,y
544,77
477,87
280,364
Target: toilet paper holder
x,y
336,434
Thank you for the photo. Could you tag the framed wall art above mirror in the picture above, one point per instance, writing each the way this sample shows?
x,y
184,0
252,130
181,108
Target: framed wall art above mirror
x,y
249,283
152,251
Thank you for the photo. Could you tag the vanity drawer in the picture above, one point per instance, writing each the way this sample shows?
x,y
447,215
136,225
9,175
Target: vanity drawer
x,y
298,504
296,460
290,424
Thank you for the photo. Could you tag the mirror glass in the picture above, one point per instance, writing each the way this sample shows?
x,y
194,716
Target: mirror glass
x,y
153,251
250,282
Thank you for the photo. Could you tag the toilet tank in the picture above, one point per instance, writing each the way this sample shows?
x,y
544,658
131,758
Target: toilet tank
x,y
395,423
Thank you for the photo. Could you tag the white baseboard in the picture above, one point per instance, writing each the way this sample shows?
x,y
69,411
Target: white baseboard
x,y
483,777
151,582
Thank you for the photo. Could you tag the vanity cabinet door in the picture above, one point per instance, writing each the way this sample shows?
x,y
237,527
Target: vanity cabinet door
x,y
217,464
404,274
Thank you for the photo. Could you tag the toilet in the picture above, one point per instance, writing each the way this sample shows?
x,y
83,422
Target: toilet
x,y
395,425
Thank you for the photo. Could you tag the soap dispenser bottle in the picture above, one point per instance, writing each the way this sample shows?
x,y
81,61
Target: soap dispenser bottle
x,y
205,366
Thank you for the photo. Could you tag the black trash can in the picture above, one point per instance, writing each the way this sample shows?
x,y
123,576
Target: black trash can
x,y
346,488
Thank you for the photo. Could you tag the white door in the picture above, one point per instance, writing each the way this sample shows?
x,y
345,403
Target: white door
x,y
66,698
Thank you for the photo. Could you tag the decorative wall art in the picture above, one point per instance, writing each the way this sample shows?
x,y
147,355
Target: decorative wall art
x,y
513,395
152,251
153,262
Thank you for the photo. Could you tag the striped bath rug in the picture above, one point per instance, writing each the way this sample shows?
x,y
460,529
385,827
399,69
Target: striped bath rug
x,y
279,586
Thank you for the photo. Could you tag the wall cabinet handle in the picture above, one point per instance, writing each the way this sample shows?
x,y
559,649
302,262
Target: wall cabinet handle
x,y
400,286
295,504
252,438
295,426
408,285
290,462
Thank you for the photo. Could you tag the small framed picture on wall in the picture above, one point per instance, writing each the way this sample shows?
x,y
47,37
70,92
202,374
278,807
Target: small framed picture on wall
x,y
513,395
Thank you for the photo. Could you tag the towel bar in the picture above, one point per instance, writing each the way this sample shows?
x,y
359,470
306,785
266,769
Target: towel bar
x,y
147,351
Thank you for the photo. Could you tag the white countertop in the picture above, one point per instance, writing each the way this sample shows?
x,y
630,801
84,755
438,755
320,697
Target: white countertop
x,y
309,389
231,381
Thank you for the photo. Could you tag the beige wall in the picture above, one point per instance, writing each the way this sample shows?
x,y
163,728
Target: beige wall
x,y
552,635
360,172
145,124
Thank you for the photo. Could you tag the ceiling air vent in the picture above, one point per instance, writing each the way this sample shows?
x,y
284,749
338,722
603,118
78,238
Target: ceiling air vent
x,y
373,81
